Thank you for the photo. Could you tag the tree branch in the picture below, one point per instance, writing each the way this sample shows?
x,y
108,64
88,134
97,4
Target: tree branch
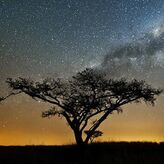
x,y
11,94
98,122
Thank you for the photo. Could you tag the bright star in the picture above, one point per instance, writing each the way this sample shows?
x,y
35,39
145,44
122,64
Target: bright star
x,y
158,31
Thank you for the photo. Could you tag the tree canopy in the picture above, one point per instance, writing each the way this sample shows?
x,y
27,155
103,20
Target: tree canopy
x,y
87,95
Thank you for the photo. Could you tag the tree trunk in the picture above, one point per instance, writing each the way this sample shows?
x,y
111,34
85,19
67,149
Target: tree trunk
x,y
87,140
78,137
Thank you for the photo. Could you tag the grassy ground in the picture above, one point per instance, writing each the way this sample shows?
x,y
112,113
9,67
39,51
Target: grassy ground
x,y
99,153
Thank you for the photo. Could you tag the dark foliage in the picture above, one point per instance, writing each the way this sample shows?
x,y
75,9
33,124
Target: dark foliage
x,y
89,94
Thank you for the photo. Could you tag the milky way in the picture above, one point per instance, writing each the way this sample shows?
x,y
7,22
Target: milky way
x,y
142,58
49,38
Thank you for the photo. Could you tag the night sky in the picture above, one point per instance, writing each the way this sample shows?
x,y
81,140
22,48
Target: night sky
x,y
57,38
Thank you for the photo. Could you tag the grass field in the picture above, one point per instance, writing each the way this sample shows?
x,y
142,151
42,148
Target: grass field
x,y
99,153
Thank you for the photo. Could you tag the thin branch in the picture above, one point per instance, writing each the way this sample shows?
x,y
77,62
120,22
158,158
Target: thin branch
x,y
11,94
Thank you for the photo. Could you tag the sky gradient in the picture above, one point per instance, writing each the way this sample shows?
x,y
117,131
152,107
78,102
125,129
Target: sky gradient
x,y
57,38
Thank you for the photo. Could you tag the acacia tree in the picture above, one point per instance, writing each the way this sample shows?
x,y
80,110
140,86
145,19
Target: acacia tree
x,y
87,95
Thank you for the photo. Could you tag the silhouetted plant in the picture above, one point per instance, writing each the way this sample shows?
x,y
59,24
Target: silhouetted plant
x,y
96,134
89,94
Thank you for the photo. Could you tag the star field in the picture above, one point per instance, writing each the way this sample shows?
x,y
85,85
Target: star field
x,y
47,34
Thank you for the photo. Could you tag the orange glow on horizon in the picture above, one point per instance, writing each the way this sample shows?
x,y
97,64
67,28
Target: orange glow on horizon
x,y
21,124
19,138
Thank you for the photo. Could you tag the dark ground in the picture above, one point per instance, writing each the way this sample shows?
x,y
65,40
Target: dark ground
x,y
99,153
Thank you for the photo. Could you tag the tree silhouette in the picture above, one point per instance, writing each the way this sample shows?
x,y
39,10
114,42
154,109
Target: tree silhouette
x,y
86,96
